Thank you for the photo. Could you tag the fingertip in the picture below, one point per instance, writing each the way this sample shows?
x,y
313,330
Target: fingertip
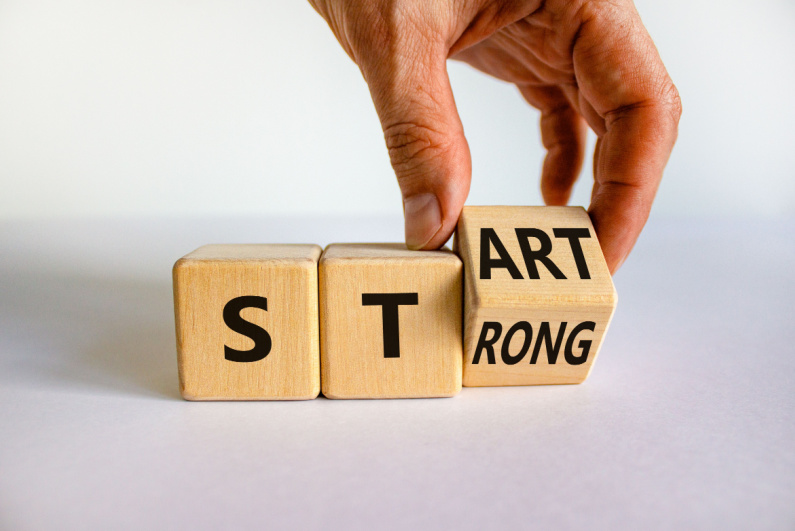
x,y
614,254
615,266
423,218
435,186
563,133
554,190
555,198
428,224
618,221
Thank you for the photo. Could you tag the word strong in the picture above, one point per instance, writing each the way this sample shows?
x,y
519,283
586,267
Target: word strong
x,y
247,322
538,296
390,322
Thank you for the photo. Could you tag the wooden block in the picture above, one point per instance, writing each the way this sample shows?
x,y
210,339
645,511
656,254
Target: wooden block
x,y
538,295
390,322
247,322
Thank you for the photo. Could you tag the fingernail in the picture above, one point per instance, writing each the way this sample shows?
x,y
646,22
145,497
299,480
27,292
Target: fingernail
x,y
423,219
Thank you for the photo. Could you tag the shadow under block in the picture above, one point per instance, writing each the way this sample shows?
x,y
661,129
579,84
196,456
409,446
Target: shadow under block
x,y
538,295
247,322
390,322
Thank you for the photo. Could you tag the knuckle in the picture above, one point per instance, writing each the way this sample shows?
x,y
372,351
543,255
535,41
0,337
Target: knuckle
x,y
368,28
669,104
409,142
674,101
360,27
376,29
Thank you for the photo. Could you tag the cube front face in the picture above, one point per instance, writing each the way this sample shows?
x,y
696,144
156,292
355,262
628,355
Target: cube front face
x,y
538,295
390,322
247,322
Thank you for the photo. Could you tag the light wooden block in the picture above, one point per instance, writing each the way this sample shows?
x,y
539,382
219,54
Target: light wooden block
x,y
538,274
364,290
222,338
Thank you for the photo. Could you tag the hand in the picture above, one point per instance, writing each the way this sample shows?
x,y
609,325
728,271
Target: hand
x,y
580,62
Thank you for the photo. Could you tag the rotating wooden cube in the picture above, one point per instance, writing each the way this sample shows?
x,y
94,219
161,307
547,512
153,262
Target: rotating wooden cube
x,y
538,295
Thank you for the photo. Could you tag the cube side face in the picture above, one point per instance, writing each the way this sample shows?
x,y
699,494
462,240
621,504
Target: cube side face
x,y
536,346
354,362
204,288
538,306
564,255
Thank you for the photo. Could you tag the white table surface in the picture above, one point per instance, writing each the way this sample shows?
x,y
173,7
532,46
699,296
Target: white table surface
x,y
686,421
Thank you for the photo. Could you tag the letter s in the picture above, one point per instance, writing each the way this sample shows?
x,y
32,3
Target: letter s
x,y
262,340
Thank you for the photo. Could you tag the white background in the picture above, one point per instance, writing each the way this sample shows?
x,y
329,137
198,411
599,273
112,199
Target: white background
x,y
250,107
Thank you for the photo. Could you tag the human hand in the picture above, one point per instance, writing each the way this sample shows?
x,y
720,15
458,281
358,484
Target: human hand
x,y
580,62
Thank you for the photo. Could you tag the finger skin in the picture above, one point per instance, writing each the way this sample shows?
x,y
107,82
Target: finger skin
x,y
426,145
563,133
579,61
632,157
409,85
612,76
625,81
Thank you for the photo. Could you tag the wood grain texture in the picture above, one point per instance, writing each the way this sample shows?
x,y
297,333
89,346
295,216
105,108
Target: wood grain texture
x,y
352,335
206,280
507,301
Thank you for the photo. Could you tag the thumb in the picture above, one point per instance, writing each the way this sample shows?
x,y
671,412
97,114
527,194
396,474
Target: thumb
x,y
423,132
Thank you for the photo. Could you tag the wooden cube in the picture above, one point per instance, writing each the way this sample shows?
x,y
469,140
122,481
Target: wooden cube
x,y
247,322
390,322
538,295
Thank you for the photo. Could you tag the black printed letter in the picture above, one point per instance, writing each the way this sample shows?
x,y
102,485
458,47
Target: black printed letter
x,y
489,236
574,235
262,339
525,327
585,344
488,344
545,335
389,303
530,256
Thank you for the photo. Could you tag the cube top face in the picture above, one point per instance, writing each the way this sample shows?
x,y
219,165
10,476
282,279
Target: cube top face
x,y
364,252
553,257
390,322
538,304
247,322
290,252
